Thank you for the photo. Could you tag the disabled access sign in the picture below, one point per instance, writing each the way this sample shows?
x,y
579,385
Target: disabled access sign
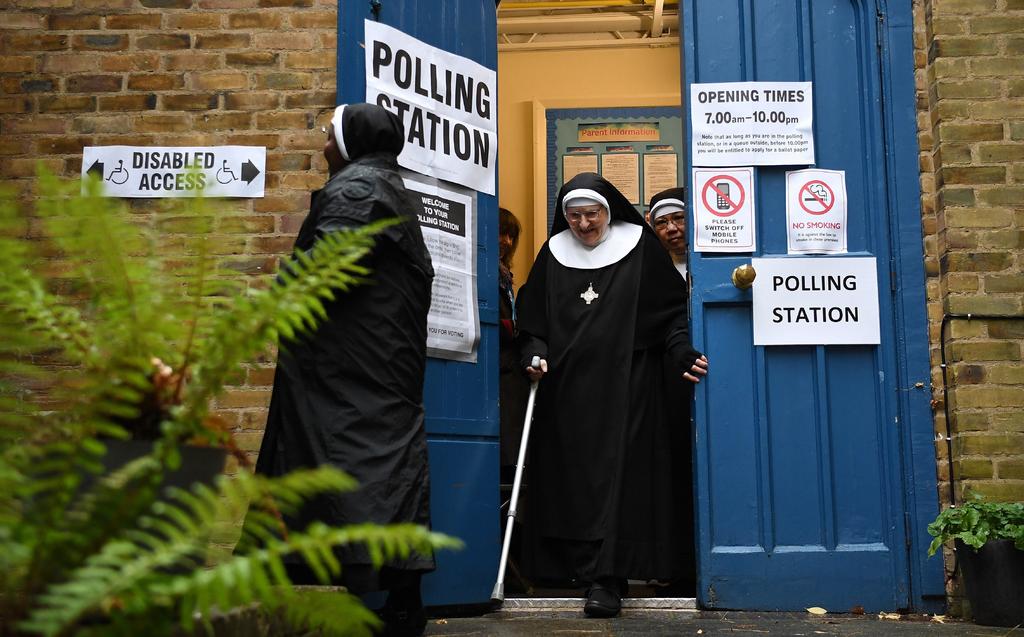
x,y
177,171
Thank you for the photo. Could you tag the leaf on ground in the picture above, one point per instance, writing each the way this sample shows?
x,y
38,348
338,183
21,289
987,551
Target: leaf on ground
x,y
939,619
817,610
857,610
890,616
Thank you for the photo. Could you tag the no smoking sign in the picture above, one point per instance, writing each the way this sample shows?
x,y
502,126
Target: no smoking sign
x,y
816,211
724,211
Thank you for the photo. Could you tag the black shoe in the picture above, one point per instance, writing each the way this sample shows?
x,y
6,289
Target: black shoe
x,y
403,623
604,599
403,614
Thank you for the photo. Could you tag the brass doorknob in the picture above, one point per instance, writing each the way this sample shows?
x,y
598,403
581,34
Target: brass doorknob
x,y
743,276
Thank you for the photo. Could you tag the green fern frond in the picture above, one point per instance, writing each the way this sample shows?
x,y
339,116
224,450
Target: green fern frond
x,y
291,306
330,613
132,571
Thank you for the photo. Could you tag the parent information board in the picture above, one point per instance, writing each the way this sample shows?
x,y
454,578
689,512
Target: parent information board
x,y
448,104
752,124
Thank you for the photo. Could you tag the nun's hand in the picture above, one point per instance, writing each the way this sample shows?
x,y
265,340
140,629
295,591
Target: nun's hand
x,y
536,373
699,370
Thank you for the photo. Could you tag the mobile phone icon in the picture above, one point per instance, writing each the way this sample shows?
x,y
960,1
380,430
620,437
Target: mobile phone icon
x,y
723,191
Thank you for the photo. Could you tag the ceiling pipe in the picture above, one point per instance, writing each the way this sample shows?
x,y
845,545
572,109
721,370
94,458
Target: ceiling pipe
x,y
644,42
593,23
569,4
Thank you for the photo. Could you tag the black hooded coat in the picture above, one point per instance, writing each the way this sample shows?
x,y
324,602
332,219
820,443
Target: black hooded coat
x,y
605,493
351,393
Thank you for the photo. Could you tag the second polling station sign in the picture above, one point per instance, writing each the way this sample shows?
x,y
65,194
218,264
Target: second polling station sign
x,y
447,103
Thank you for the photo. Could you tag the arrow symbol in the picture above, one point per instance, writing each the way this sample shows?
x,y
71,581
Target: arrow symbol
x,y
249,171
96,169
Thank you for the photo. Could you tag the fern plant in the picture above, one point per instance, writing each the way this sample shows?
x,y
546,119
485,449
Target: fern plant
x,y
114,328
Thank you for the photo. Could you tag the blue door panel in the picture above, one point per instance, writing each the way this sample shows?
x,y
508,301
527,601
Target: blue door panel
x,y
463,479
799,458
460,399
731,448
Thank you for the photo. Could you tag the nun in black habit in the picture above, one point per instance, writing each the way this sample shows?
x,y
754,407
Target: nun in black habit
x,y
602,307
351,393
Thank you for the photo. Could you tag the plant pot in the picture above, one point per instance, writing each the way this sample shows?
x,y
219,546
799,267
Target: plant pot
x,y
994,578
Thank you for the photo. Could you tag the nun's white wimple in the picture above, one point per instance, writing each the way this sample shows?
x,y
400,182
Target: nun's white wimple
x,y
339,134
667,206
584,193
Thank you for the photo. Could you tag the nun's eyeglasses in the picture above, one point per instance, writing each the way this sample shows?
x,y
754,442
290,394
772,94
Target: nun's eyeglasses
x,y
677,219
591,214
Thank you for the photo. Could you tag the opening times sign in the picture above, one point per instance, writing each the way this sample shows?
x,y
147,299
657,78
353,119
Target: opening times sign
x,y
752,123
446,102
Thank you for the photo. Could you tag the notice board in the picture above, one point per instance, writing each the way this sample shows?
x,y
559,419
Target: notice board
x,y
639,149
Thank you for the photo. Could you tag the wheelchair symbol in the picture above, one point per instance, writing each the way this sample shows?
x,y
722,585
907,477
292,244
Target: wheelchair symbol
x,y
225,175
119,175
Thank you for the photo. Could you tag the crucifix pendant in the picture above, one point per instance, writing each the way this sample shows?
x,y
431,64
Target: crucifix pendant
x,y
590,295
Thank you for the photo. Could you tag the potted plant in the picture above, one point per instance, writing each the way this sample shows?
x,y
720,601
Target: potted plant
x,y
112,329
989,547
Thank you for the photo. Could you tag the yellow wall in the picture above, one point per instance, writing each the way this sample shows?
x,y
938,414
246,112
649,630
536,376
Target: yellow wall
x,y
529,82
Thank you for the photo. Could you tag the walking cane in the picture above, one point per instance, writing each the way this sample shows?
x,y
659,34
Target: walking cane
x,y
498,594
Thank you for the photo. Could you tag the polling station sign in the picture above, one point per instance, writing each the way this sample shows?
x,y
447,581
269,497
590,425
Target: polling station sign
x,y
752,123
177,171
447,103
816,301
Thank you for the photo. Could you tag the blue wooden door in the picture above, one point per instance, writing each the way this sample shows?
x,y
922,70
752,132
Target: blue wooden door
x,y
802,455
461,399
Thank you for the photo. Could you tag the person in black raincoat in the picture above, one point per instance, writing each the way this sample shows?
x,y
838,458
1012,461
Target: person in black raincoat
x,y
351,393
603,305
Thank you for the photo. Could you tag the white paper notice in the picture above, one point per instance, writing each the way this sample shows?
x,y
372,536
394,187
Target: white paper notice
x,y
623,171
724,212
573,165
816,211
177,171
752,123
448,222
659,173
447,103
816,301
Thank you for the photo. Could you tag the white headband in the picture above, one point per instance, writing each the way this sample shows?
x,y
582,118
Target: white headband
x,y
667,207
585,194
339,135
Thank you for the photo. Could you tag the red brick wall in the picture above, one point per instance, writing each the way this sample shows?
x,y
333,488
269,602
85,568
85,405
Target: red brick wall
x,y
75,73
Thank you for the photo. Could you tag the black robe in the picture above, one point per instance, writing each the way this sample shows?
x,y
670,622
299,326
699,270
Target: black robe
x,y
606,494
351,394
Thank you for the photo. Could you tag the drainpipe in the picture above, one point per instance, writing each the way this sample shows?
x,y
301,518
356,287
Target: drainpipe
x,y
946,320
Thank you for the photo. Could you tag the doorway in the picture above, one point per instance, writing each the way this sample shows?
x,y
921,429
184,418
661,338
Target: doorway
x,y
561,68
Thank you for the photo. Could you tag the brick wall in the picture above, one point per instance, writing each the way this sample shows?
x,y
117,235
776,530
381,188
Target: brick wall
x,y
75,73
970,88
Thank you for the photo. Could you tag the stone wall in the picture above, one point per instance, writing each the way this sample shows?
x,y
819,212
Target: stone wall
x,y
970,83
970,94
76,73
